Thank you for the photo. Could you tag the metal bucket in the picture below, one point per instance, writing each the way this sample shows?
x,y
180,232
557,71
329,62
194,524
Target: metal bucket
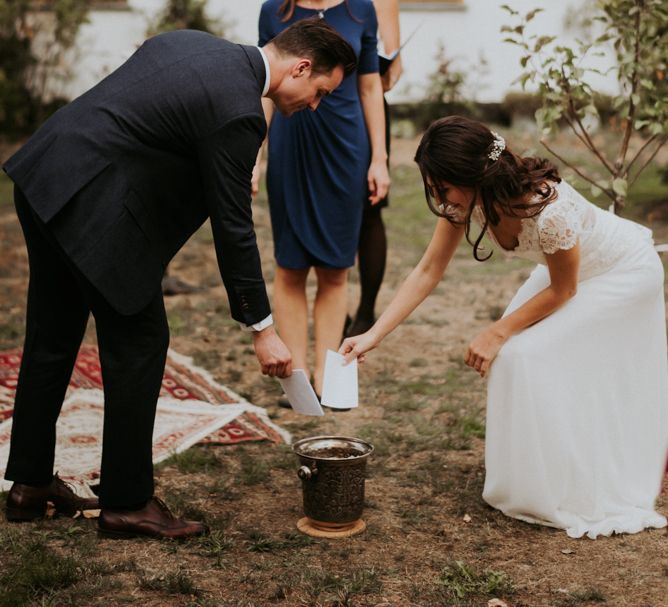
x,y
332,470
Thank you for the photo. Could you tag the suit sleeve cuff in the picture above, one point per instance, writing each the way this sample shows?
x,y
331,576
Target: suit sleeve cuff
x,y
258,326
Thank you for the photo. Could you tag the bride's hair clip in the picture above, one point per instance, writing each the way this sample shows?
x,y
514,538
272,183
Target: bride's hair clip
x,y
498,145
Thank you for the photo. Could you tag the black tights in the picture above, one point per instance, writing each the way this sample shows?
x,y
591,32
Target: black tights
x,y
372,253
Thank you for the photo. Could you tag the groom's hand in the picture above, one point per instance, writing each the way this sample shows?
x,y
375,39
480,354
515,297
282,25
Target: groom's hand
x,y
272,354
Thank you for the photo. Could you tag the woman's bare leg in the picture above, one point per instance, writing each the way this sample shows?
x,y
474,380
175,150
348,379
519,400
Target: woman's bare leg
x,y
291,313
329,314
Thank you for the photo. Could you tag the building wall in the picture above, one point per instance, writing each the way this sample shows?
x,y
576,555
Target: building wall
x,y
468,30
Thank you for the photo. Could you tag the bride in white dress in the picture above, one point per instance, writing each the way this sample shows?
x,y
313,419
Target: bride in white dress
x,y
577,406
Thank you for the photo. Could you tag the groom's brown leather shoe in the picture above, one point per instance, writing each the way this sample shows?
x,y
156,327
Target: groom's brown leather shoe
x,y
26,503
153,520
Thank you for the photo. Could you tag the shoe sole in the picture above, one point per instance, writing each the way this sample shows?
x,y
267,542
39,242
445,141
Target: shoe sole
x,y
128,535
21,515
118,535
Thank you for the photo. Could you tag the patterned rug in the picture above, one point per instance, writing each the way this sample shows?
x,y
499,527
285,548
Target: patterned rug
x,y
192,408
179,424
182,381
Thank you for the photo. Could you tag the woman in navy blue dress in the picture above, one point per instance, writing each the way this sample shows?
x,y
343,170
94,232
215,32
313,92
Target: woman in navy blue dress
x,y
322,165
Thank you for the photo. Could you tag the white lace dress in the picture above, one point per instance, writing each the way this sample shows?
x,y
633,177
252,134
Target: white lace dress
x,y
577,412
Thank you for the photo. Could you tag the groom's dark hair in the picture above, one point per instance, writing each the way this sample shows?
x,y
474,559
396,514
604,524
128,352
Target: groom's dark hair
x,y
320,42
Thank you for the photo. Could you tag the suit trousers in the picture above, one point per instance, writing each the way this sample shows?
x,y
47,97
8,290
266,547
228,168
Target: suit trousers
x,y
133,351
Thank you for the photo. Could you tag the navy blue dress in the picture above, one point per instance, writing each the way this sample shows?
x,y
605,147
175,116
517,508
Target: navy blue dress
x,y
318,161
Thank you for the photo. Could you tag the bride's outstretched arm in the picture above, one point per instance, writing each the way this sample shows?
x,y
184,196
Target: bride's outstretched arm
x,y
419,283
563,267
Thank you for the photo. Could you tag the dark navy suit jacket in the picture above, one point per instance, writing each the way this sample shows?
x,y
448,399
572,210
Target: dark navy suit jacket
x,y
123,175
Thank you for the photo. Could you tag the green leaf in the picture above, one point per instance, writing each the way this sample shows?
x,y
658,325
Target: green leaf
x,y
531,14
595,191
619,186
542,41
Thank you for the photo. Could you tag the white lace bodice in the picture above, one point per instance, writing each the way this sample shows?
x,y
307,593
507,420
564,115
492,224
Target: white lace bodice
x,y
605,239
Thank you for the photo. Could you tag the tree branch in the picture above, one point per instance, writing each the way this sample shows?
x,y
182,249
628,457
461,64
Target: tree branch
x,y
651,157
608,192
585,138
640,151
634,87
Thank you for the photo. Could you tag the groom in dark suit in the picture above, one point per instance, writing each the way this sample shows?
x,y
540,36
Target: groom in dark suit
x,y
107,191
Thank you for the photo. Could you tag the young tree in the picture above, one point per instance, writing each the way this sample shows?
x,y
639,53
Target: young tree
x,y
186,14
637,33
32,47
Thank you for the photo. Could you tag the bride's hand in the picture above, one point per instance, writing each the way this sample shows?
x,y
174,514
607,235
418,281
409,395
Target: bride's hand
x,y
483,350
355,347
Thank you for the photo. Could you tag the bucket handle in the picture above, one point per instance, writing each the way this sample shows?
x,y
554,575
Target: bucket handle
x,y
305,473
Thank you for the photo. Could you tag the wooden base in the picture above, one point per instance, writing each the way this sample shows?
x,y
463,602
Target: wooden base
x,y
330,530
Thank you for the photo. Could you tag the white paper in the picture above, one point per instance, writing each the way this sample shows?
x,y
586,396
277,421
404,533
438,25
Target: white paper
x,y
300,393
339,388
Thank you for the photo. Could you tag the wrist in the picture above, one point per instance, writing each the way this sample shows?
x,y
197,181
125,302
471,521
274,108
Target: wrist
x,y
375,335
264,333
500,330
379,157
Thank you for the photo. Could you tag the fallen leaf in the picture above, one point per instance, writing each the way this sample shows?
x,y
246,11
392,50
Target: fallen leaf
x,y
567,551
496,603
467,518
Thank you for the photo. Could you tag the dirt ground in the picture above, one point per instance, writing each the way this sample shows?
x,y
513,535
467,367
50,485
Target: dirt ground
x,y
430,541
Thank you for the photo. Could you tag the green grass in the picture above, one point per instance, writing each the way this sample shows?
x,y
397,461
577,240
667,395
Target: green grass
x,y
339,590
172,582
461,586
35,572
254,471
197,459
260,542
49,568
581,597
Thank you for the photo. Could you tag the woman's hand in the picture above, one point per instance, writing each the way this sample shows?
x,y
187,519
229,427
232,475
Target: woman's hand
x,y
378,179
354,347
483,349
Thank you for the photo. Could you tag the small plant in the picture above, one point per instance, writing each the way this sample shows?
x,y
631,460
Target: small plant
x,y
194,460
260,542
174,582
637,32
186,14
581,597
461,586
318,582
446,84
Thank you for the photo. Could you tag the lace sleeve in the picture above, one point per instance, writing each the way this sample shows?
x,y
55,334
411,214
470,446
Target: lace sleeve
x,y
558,227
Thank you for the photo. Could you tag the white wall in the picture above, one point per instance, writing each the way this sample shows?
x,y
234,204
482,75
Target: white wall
x,y
466,34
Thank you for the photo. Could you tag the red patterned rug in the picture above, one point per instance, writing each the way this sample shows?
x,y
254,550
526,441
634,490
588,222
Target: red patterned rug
x,y
183,381
179,424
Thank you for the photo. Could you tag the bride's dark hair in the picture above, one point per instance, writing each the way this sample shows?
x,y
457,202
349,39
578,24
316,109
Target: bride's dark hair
x,y
457,150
